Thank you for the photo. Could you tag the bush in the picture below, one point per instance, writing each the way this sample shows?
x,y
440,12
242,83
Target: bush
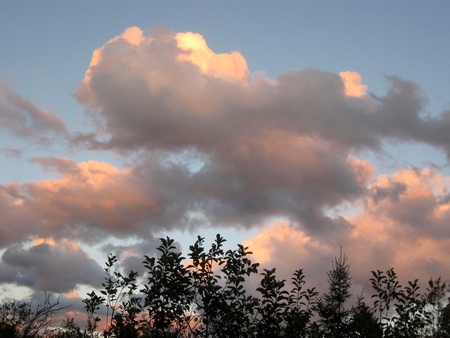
x,y
209,297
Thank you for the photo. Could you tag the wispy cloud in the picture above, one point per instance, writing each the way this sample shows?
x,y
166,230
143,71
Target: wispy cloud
x,y
23,119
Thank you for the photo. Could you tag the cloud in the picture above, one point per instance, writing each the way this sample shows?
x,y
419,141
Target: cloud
x,y
288,248
92,200
25,120
401,223
11,152
50,266
171,91
213,145
352,84
263,148
131,255
59,164
406,227
89,200
227,66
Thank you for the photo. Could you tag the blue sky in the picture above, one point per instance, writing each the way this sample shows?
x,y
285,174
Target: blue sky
x,y
286,154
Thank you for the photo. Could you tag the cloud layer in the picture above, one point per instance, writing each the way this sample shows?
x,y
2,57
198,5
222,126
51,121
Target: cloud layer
x,y
402,223
214,145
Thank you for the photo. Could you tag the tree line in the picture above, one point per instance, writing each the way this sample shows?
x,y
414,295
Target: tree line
x,y
209,297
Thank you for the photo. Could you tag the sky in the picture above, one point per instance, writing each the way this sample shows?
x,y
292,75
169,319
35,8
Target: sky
x,y
292,127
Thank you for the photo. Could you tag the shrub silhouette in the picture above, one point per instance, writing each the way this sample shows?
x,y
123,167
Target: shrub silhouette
x,y
210,297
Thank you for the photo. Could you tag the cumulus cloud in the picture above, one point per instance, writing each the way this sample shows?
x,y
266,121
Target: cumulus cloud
x,y
278,241
23,119
89,200
401,223
50,266
172,91
214,145
92,199
266,147
263,148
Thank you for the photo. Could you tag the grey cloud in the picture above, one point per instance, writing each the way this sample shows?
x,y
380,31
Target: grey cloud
x,y
415,212
11,152
237,193
131,256
380,193
92,199
60,164
55,268
190,111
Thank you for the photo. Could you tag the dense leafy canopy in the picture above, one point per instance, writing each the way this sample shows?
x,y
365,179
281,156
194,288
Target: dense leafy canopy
x,y
210,297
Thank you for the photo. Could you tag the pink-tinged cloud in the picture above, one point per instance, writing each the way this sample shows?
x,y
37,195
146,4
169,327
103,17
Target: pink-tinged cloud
x,y
227,66
288,248
352,84
171,91
261,147
216,146
89,198
23,119
72,295
402,223
92,199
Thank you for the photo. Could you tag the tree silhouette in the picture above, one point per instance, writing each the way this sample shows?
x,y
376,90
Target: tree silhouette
x,y
334,318
27,319
208,295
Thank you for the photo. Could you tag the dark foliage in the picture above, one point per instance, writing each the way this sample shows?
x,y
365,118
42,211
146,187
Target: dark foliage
x,y
210,297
